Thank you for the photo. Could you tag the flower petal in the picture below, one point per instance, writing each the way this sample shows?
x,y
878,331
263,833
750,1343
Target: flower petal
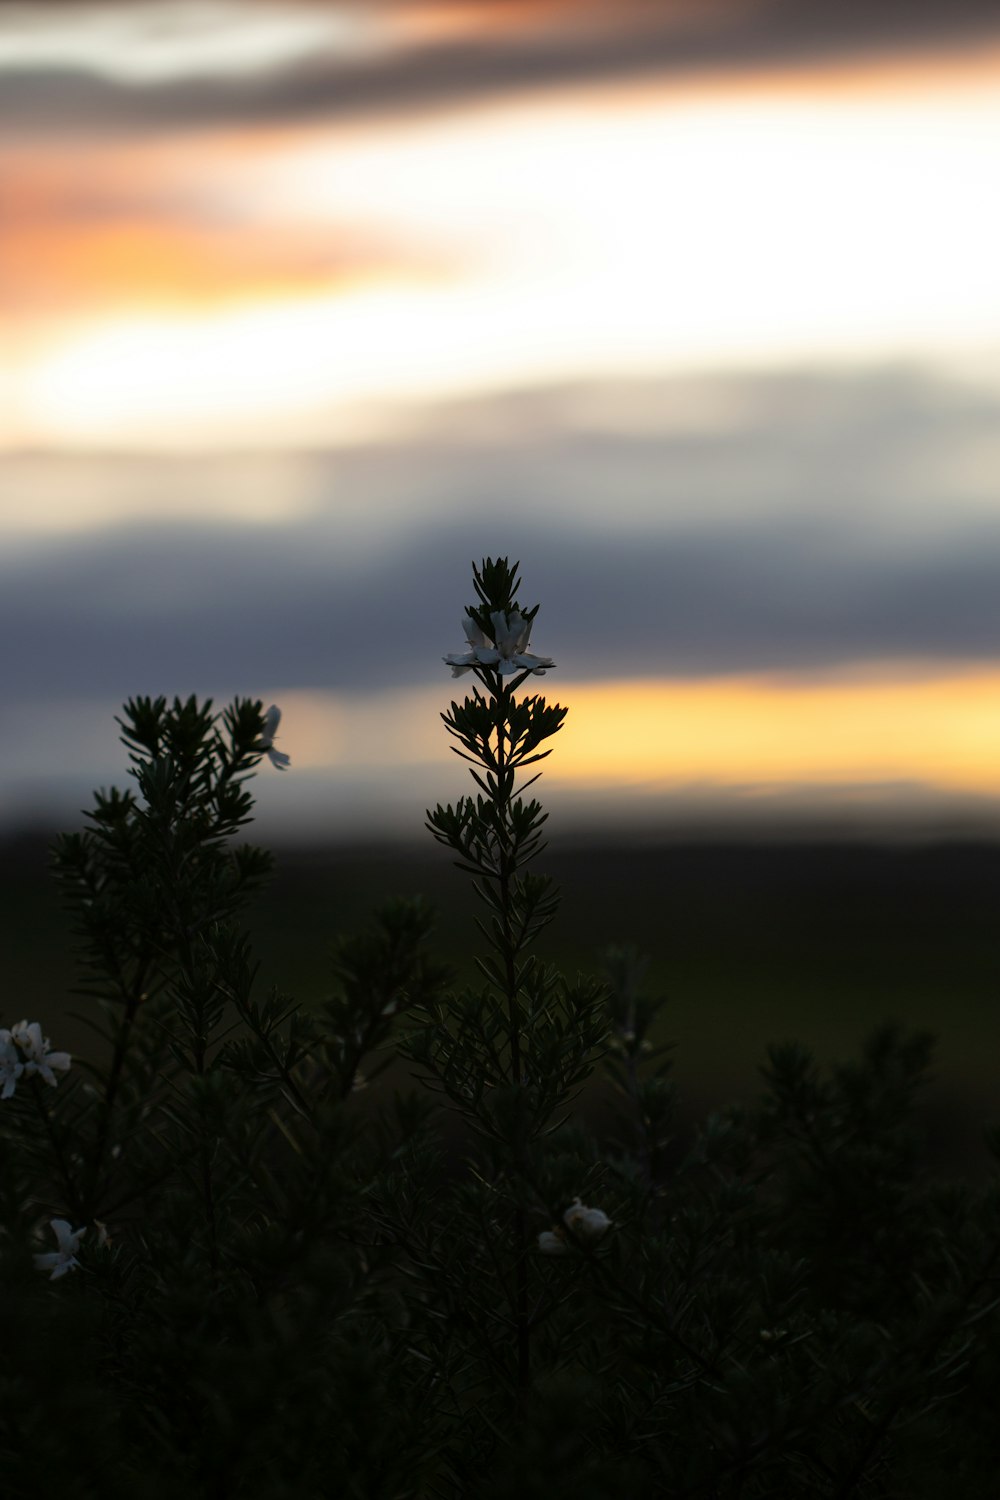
x,y
473,633
272,719
63,1231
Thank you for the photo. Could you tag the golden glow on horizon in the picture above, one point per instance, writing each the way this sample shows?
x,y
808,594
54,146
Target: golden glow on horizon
x,y
935,729
940,730
374,731
895,741
613,231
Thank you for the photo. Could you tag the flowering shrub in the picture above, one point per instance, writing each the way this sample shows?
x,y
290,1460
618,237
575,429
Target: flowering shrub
x,y
267,1284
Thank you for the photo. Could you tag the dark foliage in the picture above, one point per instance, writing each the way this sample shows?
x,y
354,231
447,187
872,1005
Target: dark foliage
x,y
301,1278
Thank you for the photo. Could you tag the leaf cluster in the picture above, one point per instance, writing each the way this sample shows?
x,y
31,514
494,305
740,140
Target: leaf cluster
x,y
478,724
497,581
232,1296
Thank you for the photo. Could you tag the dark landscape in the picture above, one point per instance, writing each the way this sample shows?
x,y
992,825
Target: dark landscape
x,y
752,943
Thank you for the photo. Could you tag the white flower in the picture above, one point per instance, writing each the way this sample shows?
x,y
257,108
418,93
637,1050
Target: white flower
x,y
507,651
271,721
511,636
586,1223
64,1259
11,1066
479,654
35,1050
583,1224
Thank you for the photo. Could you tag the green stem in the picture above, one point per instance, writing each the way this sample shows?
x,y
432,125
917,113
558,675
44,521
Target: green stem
x,y
207,1185
505,787
199,1050
133,999
73,1201
504,790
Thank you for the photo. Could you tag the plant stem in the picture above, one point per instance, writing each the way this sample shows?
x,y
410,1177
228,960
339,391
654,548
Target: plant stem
x,y
185,953
133,1000
505,787
72,1199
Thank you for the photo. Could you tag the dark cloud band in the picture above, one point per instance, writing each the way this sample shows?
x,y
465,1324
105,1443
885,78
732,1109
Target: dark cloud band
x,y
833,524
553,48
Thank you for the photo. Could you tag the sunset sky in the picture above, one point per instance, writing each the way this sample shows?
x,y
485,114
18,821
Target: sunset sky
x,y
693,307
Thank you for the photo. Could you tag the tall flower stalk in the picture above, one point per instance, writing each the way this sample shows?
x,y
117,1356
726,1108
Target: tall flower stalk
x,y
498,834
511,1055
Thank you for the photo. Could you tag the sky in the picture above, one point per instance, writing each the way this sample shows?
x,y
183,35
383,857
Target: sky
x,y
692,307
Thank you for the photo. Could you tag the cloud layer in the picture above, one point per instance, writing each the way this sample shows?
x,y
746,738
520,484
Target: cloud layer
x,y
410,57
811,523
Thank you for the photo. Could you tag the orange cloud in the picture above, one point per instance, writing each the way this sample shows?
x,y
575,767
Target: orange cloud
x,y
488,247
449,20
110,265
105,226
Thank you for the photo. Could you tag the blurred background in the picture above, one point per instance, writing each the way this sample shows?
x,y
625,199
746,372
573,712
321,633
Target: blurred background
x,y
691,305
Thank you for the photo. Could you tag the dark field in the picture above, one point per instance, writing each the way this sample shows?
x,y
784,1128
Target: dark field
x,y
751,942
